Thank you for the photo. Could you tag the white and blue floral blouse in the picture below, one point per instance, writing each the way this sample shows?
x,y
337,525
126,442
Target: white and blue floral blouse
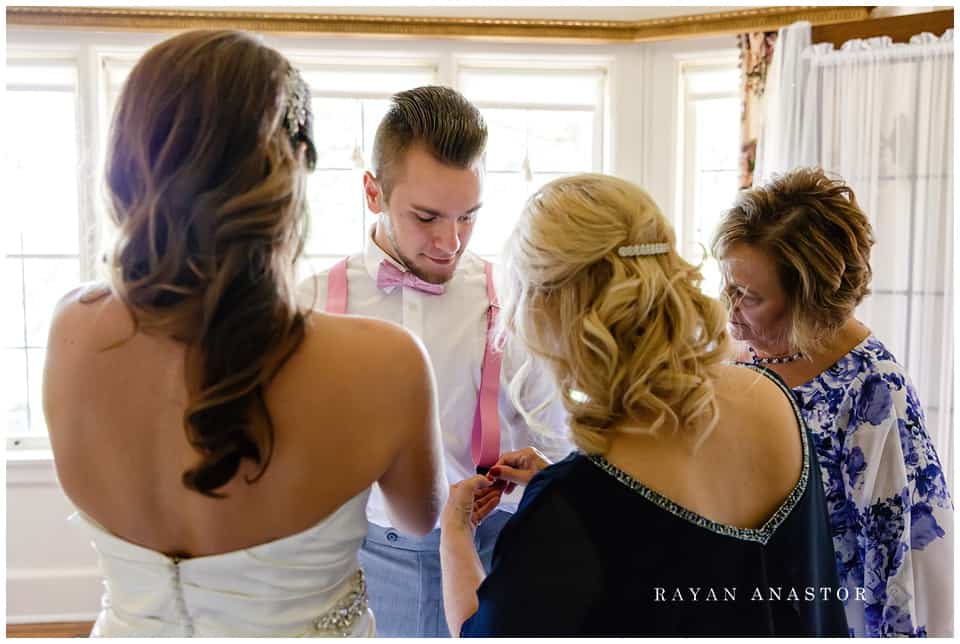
x,y
889,508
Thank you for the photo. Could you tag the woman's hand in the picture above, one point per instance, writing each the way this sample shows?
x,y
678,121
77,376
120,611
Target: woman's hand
x,y
517,468
510,470
459,512
462,572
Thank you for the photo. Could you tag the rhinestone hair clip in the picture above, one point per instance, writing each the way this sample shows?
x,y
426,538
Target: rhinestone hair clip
x,y
643,249
298,96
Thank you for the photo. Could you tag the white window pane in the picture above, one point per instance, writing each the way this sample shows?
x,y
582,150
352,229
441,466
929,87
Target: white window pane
x,y
15,368
506,138
336,131
35,360
718,140
40,168
373,112
537,86
542,178
13,302
116,71
710,269
361,79
336,212
715,194
62,74
503,197
47,280
713,80
561,141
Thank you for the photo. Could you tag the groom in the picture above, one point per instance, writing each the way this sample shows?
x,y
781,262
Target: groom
x,y
415,271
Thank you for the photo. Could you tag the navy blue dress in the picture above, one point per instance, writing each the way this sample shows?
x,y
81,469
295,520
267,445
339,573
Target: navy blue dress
x,y
593,552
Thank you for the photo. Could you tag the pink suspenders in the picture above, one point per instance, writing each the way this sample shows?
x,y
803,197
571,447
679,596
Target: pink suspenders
x,y
485,437
337,288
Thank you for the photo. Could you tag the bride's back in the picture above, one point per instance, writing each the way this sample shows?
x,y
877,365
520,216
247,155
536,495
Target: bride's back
x,y
193,407
116,419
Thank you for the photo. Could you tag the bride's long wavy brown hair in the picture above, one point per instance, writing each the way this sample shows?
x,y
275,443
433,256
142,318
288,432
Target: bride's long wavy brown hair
x,y
207,188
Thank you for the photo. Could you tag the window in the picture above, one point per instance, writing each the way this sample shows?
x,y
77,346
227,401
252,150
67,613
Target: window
x,y
545,118
42,242
543,123
709,151
349,99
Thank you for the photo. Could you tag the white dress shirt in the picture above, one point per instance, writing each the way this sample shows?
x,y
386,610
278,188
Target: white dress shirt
x,y
453,328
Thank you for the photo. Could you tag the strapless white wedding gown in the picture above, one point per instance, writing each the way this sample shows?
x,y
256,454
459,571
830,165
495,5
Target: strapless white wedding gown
x,y
307,584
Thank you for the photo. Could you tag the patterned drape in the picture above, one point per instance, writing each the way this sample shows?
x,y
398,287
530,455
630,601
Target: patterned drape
x,y
756,52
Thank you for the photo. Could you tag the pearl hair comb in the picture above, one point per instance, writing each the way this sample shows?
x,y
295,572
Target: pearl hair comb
x,y
643,249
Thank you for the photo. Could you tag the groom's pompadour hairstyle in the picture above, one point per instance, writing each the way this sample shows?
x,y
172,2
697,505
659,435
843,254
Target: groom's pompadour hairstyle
x,y
449,127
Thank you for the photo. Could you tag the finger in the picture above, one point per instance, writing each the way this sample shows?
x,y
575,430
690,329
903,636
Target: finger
x,y
498,484
510,488
481,510
495,494
513,475
462,493
513,459
478,481
485,495
470,486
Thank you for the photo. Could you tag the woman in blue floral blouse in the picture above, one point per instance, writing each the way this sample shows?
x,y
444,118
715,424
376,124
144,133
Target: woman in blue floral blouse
x,y
796,260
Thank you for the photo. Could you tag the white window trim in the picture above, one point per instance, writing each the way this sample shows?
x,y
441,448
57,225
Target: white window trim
x,y
93,52
685,188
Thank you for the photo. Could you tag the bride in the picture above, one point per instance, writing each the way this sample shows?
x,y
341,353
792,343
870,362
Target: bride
x,y
219,442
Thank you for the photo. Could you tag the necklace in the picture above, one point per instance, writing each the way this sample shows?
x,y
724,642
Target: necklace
x,y
773,360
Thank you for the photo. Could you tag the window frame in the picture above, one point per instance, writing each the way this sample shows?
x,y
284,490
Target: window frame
x,y
38,57
687,175
94,53
598,66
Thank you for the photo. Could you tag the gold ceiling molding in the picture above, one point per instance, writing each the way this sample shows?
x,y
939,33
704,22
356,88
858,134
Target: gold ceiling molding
x,y
709,24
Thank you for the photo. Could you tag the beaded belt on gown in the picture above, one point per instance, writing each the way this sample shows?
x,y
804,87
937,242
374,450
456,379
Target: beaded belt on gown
x,y
340,619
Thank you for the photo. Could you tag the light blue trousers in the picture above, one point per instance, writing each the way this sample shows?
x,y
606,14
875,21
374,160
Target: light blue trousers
x,y
403,577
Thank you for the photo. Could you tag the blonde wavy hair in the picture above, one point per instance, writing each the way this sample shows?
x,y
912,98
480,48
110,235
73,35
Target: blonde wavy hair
x,y
630,340
207,190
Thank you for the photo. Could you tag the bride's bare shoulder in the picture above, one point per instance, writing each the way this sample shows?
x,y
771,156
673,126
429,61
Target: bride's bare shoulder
x,y
378,347
89,311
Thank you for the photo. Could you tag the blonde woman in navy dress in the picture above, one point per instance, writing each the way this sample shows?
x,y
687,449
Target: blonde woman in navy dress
x,y
694,506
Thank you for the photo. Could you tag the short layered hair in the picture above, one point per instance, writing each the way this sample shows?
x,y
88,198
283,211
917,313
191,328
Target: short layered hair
x,y
819,238
440,119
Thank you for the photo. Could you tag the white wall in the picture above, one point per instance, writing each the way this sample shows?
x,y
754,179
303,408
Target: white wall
x,y
51,569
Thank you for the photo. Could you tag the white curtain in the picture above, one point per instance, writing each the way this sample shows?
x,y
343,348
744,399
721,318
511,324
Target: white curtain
x,y
880,116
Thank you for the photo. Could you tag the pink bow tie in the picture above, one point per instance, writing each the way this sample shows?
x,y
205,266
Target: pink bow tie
x,y
389,277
